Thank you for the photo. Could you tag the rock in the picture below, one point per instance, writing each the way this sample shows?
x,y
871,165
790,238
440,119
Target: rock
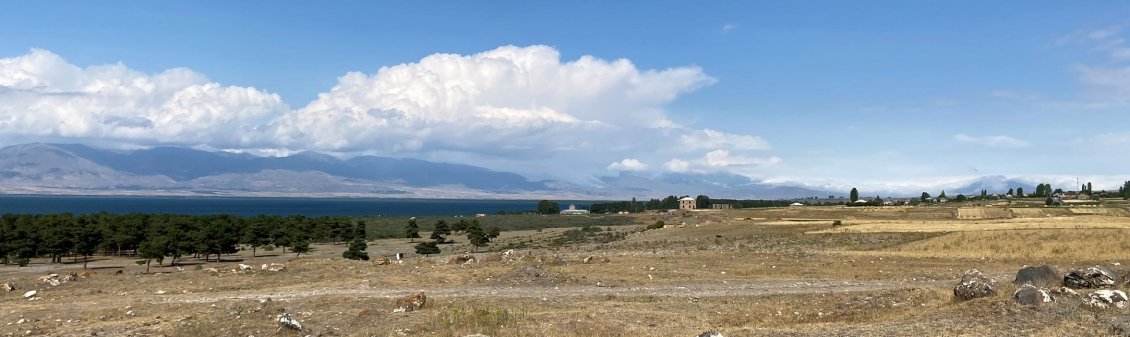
x,y
974,284
380,261
462,259
477,335
411,302
1065,291
1103,299
1030,295
592,259
710,334
8,287
160,292
1093,277
244,267
1039,276
600,284
288,322
273,267
30,293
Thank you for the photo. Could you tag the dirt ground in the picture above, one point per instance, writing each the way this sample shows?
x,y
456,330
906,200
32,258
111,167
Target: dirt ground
x,y
888,271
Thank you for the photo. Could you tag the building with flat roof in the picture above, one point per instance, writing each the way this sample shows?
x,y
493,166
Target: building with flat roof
x,y
686,203
572,210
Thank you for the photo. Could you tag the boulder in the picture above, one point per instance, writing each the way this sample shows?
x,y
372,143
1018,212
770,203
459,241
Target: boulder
x,y
1093,277
1103,299
1030,295
273,267
288,322
462,259
8,286
1044,276
410,303
974,284
244,267
594,259
710,334
380,261
30,293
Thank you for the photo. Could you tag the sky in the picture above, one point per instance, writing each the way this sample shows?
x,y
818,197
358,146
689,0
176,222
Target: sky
x,y
882,94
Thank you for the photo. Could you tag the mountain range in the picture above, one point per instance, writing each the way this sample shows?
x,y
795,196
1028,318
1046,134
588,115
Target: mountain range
x,y
40,168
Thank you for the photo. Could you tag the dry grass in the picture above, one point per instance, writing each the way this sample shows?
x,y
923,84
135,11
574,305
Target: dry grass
x,y
1035,245
785,272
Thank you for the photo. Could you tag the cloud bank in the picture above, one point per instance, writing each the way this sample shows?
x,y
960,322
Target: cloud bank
x,y
510,108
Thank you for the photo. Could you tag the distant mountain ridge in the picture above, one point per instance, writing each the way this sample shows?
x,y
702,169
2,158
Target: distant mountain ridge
x,y
40,168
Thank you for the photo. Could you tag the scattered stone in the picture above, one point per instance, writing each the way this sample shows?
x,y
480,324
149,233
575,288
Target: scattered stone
x,y
1093,277
160,292
273,267
288,322
600,284
1043,275
212,270
1065,291
477,335
1103,299
1030,295
244,267
30,293
974,284
411,302
8,287
710,334
381,261
462,259
600,259
21,321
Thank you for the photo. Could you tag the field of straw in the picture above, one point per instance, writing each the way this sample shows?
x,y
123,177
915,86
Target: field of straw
x,y
771,272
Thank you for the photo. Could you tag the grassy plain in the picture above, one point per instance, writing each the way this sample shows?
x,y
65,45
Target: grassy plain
x,y
888,271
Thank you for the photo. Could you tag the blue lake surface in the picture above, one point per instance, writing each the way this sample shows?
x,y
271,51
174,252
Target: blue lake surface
x,y
40,204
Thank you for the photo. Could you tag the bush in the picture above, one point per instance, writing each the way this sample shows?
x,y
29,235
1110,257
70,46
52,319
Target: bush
x,y
656,225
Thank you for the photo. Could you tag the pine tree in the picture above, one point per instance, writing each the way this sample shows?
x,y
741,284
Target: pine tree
x,y
357,247
412,231
427,248
854,194
1019,192
440,232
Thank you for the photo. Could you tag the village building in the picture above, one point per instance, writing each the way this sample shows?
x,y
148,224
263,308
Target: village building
x,y
721,206
687,203
572,210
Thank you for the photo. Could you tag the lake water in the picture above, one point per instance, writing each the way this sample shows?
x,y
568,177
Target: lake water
x,y
35,204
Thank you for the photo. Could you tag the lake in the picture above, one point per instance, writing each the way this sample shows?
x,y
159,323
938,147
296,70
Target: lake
x,y
245,206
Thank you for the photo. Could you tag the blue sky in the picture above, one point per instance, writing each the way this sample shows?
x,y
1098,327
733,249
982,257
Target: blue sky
x,y
880,94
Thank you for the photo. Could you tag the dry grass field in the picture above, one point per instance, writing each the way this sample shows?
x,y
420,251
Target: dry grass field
x,y
888,271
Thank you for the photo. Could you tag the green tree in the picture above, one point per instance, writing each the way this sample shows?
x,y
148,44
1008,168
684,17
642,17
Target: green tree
x,y
702,202
1019,192
924,197
960,198
440,232
257,233
477,237
300,246
427,248
494,232
356,250
1010,192
412,230
357,247
152,249
86,239
854,194
942,195
460,226
548,207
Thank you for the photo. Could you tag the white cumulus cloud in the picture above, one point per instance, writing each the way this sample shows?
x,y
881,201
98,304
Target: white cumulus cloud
x,y
676,165
43,95
507,98
711,139
628,164
992,141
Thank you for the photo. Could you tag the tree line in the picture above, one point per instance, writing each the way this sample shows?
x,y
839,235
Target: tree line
x,y
160,236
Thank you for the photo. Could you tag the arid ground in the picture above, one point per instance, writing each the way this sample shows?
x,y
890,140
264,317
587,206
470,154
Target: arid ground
x,y
887,271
